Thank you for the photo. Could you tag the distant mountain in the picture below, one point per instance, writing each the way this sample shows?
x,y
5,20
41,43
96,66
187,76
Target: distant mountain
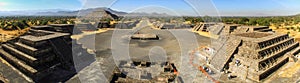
x,y
28,12
83,12
58,13
297,15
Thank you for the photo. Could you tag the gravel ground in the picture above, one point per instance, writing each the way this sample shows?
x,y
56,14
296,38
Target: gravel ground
x,y
111,45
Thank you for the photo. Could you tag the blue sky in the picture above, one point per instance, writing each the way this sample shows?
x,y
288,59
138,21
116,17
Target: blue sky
x,y
175,7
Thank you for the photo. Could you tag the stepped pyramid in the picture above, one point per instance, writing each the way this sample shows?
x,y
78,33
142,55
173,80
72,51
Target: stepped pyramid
x,y
41,55
254,55
97,14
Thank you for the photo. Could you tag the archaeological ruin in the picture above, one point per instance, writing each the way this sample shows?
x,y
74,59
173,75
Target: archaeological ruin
x,y
126,24
43,52
63,28
159,25
203,27
213,28
85,27
252,52
145,37
142,71
218,28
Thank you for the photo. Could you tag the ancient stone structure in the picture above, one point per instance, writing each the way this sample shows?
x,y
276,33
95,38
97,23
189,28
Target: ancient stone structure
x,y
65,28
253,55
159,25
226,29
164,72
30,55
242,29
85,27
229,28
203,27
96,14
263,53
168,26
39,52
45,27
104,24
213,28
145,36
259,28
126,25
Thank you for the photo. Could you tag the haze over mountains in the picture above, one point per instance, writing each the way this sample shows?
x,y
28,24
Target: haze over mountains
x,y
61,12
83,12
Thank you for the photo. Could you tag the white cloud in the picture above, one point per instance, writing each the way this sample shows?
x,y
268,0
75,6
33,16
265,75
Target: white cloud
x,y
3,4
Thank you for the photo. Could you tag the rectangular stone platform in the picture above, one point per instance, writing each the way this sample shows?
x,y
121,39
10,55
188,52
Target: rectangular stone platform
x,y
261,54
48,35
38,53
145,36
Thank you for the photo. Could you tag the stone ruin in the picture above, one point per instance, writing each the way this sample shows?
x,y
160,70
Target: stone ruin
x,y
164,72
125,24
44,53
211,28
203,27
253,55
159,25
85,27
139,36
63,28
226,29
104,24
249,52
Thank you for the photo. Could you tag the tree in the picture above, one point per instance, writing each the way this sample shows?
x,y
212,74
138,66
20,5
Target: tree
x,y
44,22
244,19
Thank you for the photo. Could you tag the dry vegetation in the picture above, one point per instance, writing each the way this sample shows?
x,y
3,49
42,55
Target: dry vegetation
x,y
11,27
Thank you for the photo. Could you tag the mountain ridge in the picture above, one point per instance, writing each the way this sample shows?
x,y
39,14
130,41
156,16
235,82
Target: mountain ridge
x,y
82,12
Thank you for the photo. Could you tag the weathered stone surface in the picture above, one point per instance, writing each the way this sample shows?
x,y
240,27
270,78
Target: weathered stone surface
x,y
40,54
258,56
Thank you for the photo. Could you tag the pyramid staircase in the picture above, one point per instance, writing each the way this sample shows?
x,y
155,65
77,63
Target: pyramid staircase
x,y
38,59
224,53
33,62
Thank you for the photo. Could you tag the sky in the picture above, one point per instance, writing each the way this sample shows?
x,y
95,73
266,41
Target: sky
x,y
173,7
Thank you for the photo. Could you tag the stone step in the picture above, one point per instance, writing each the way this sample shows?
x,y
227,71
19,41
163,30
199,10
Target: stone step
x,y
199,27
296,51
264,30
20,65
43,55
278,43
25,57
196,27
285,49
25,46
224,53
32,51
